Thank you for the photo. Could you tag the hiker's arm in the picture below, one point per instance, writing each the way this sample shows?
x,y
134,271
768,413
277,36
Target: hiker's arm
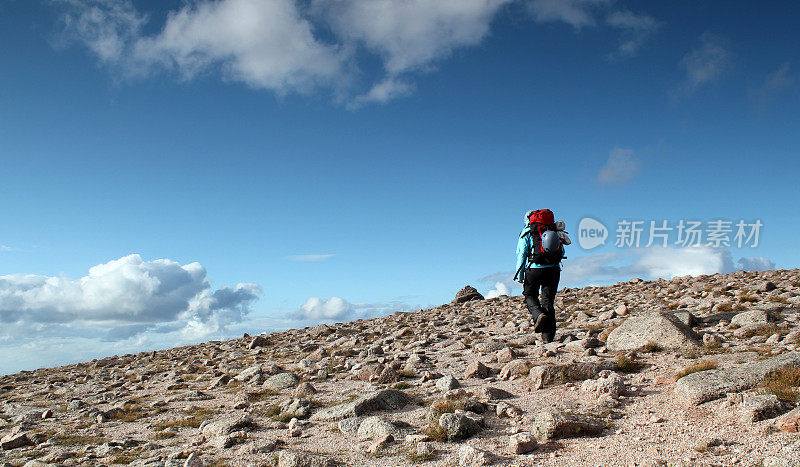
x,y
522,253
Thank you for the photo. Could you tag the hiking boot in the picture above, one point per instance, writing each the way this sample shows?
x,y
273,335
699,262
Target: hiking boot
x,y
541,322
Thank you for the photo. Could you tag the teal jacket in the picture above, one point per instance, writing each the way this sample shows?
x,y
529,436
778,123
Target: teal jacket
x,y
524,246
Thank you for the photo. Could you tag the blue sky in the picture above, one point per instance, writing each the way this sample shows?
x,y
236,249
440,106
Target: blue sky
x,y
397,143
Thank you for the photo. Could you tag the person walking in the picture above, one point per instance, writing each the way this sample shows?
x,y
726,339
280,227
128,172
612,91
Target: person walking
x,y
540,250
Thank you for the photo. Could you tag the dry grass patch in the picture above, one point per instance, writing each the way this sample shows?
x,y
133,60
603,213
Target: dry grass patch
x,y
164,435
196,417
628,364
261,395
783,383
75,439
652,347
702,365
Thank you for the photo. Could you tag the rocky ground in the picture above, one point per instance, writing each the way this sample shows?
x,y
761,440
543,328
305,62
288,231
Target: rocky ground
x,y
690,371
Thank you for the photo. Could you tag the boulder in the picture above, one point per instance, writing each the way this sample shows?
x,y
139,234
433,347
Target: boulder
x,y
790,421
751,317
476,369
446,383
470,456
608,383
703,386
226,426
376,428
458,426
662,329
514,368
548,375
467,294
281,381
554,422
14,440
258,341
384,400
303,459
757,407
522,443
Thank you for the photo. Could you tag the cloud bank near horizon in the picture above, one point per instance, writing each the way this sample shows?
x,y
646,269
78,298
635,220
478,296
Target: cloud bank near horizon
x,y
645,263
121,299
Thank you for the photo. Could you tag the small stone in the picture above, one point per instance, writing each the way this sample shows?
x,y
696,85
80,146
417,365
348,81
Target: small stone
x,y
522,443
477,369
469,456
458,426
194,461
14,440
446,383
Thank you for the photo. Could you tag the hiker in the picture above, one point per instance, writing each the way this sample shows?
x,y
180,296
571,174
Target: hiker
x,y
539,253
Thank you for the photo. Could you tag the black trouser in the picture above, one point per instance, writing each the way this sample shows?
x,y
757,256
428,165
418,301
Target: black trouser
x,y
547,279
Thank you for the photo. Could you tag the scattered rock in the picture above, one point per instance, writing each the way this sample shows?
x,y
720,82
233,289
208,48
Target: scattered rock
x,y
607,383
469,456
446,383
377,428
466,294
547,375
258,341
514,368
303,459
757,407
703,386
790,421
752,317
555,422
281,381
387,399
458,426
476,369
662,329
14,441
522,443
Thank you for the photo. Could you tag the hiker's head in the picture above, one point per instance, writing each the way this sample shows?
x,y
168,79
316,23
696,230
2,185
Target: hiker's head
x,y
528,216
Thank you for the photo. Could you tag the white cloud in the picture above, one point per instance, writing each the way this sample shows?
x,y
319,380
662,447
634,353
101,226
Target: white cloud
x,y
499,290
275,44
119,299
7,248
780,82
412,33
634,28
384,91
263,43
504,284
620,167
339,309
106,27
706,63
311,258
753,263
645,263
576,13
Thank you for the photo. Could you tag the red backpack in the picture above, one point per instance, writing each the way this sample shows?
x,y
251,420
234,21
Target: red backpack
x,y
541,221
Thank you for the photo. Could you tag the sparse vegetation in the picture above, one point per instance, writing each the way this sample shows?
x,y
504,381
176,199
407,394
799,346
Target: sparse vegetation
x,y
652,347
702,365
628,364
783,383
415,457
196,417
